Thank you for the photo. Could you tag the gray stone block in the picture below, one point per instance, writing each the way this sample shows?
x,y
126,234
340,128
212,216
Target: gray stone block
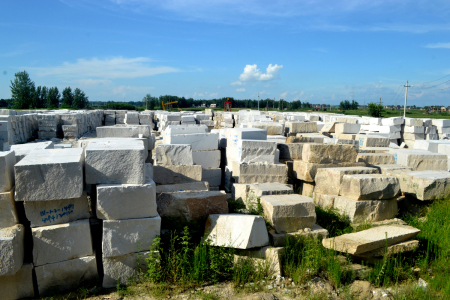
x,y
122,269
11,249
18,285
7,162
8,212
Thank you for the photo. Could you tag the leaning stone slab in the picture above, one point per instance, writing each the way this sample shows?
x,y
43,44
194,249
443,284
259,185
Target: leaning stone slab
x,y
279,239
236,231
122,237
61,242
307,171
115,161
329,180
173,154
7,162
370,187
371,239
359,211
192,206
50,174
328,153
376,158
401,247
65,275
45,213
289,213
8,212
18,285
122,269
177,174
12,249
126,201
425,185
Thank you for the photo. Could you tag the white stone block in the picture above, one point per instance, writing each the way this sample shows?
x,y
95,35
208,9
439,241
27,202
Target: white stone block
x,y
115,161
12,249
414,129
120,269
117,132
441,122
122,237
18,285
372,141
7,162
236,231
234,135
359,211
8,212
198,141
207,159
347,128
301,127
370,187
174,154
413,122
23,150
50,174
45,213
252,151
392,121
420,160
126,201
61,242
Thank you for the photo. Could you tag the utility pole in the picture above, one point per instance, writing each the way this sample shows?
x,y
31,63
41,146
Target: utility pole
x,y
273,107
258,101
406,97
380,101
267,105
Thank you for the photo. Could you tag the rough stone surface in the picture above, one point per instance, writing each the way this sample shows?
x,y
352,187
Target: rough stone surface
x,y
8,212
268,257
19,285
323,200
290,151
425,185
237,231
61,242
173,155
279,239
254,151
198,141
420,160
289,213
328,153
370,187
259,173
207,159
376,158
329,180
115,161
372,141
50,174
385,169
177,174
45,213
301,127
117,132
23,150
212,176
7,162
183,187
122,237
390,250
371,239
65,275
192,206
308,188
126,201
347,128
123,268
366,210
307,171
11,249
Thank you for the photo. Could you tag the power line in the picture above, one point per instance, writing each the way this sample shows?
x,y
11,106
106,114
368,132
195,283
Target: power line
x,y
434,80
430,87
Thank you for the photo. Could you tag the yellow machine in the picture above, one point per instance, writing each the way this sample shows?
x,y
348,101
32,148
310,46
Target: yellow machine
x,y
168,105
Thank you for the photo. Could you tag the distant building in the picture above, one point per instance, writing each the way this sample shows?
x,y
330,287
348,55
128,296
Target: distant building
x,y
213,105
443,108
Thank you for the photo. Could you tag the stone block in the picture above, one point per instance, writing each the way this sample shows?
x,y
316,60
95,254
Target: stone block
x,y
413,136
117,132
7,162
212,176
307,171
207,159
183,187
347,128
328,153
329,127
301,127
177,174
371,239
115,161
440,122
387,169
148,172
173,155
308,188
376,158
121,237
50,174
18,285
22,150
290,151
198,141
122,269
192,206
420,160
12,249
425,185
413,129
279,239
370,187
372,141
289,213
8,212
272,128
45,213
269,258
324,201
379,253
65,275
126,201
308,138
236,231
254,151
259,173
329,180
61,242
413,122
366,210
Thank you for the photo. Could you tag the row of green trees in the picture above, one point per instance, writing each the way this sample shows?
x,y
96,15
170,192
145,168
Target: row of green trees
x,y
347,105
25,95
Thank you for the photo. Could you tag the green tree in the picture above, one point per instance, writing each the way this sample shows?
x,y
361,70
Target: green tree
x,y
53,97
22,90
345,105
375,110
67,97
149,102
43,97
80,100
354,105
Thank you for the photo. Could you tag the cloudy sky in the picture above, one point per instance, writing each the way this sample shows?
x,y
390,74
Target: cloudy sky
x,y
319,51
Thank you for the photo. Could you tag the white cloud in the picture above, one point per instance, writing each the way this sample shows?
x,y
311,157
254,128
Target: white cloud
x,y
89,83
240,90
123,89
236,83
438,46
214,95
252,73
283,95
115,67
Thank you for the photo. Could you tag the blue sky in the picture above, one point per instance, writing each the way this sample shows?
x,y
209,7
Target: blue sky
x,y
317,51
